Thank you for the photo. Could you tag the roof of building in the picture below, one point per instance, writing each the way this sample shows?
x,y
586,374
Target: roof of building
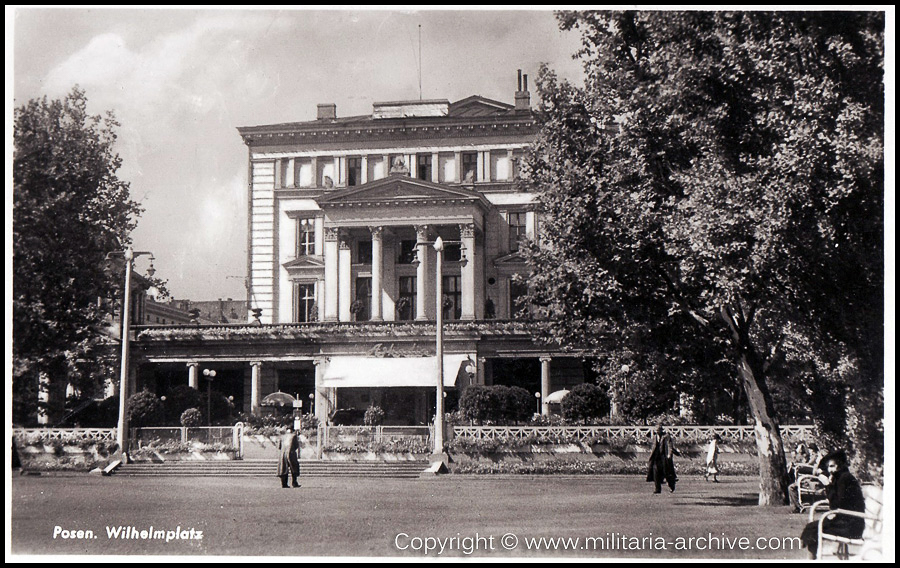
x,y
400,114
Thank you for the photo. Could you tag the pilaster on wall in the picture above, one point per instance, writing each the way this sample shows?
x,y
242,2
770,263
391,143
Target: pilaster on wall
x,y
262,238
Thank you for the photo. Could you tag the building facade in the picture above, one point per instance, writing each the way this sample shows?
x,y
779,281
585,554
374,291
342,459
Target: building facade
x,y
343,215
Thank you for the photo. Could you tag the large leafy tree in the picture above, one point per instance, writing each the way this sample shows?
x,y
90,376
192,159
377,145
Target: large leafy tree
x,y
70,210
721,173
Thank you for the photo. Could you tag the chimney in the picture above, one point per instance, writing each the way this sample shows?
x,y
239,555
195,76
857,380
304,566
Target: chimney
x,y
523,97
327,111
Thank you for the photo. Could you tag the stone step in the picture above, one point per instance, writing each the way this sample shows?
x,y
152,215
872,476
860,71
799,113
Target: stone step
x,y
266,468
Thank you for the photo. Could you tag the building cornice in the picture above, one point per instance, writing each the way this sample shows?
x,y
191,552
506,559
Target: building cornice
x,y
317,133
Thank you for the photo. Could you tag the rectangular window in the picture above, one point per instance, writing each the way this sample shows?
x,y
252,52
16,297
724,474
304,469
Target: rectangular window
x,y
517,292
304,302
361,307
364,252
408,252
306,237
406,302
451,303
354,171
469,167
423,167
516,230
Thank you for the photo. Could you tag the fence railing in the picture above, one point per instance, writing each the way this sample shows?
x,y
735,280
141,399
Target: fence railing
x,y
65,434
373,433
228,436
684,433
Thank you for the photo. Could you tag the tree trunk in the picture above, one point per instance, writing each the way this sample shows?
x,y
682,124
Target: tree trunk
x,y
773,481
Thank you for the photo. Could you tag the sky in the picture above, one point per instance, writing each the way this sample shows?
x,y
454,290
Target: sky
x,y
181,81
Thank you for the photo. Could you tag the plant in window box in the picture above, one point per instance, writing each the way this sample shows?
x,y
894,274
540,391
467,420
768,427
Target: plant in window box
x,y
356,307
403,305
314,313
447,303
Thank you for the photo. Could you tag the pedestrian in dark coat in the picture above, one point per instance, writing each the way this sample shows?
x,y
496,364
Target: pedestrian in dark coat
x,y
289,458
662,463
843,491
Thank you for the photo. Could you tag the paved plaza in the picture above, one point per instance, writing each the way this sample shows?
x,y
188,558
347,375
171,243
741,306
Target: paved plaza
x,y
449,516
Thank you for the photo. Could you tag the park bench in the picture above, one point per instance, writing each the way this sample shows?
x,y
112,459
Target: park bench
x,y
870,542
809,491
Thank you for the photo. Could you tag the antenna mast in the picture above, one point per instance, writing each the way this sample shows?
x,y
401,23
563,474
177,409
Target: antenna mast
x,y
420,62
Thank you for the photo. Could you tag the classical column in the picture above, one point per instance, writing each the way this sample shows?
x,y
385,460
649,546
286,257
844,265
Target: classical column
x,y
545,385
467,271
344,286
435,167
364,166
377,284
457,162
479,173
422,273
321,398
331,274
193,380
255,372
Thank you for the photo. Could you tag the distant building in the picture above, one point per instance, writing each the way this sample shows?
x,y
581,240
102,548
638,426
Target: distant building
x,y
343,213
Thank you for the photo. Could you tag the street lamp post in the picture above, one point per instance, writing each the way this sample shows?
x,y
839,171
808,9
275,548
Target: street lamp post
x,y
312,401
537,395
129,255
439,349
438,245
210,375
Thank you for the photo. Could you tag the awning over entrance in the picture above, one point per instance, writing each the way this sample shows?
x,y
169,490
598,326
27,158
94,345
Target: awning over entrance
x,y
391,371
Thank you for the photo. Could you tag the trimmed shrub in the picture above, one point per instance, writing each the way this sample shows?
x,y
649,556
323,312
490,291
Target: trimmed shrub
x,y
480,403
584,403
179,399
191,418
498,404
519,405
145,409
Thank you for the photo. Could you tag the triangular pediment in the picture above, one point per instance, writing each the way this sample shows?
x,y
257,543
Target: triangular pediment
x,y
477,105
399,190
513,258
304,262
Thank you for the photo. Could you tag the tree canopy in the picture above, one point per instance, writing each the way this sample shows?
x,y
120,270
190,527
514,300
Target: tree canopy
x,y
717,184
70,210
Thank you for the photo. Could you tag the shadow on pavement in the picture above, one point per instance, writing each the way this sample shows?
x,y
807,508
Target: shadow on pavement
x,y
742,500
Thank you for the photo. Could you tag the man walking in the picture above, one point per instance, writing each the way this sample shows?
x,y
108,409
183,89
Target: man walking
x,y
662,464
289,458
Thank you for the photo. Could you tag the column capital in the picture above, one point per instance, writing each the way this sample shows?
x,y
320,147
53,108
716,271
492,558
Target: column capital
x,y
467,230
192,364
256,363
422,232
332,233
344,241
319,360
377,232
545,359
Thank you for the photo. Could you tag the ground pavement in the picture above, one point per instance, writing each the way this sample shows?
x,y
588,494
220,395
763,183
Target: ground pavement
x,y
449,516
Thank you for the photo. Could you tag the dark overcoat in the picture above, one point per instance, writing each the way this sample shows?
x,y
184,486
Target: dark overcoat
x,y
662,463
289,449
844,492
